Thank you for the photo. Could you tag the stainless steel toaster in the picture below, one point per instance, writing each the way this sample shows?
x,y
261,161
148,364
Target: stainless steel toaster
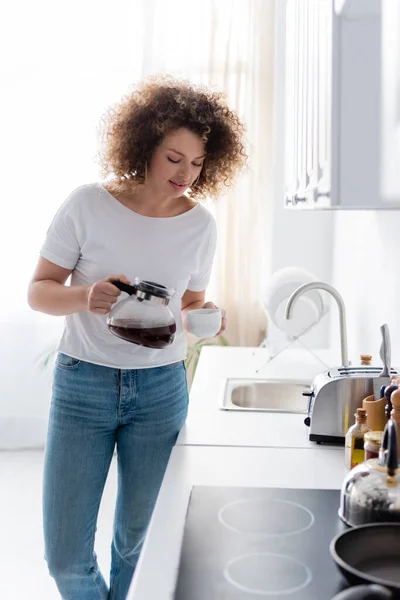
x,y
334,397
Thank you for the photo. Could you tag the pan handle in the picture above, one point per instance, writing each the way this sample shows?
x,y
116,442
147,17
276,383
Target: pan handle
x,y
365,592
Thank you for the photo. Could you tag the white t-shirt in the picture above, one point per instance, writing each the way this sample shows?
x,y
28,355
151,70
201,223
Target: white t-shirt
x,y
97,236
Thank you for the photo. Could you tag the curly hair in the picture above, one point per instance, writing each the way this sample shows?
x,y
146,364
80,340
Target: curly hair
x,y
132,129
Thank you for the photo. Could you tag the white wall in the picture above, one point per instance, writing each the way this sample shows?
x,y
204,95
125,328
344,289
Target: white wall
x,y
25,384
367,274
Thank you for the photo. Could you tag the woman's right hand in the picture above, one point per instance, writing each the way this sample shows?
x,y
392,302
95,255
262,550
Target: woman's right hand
x,y
103,294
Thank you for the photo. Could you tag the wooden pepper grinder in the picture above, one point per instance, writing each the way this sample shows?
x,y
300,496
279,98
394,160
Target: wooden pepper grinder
x,y
388,394
395,413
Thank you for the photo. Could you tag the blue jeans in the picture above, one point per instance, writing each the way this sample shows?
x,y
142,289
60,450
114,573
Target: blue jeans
x,y
94,408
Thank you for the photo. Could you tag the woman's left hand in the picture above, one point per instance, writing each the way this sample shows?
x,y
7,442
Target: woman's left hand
x,y
223,314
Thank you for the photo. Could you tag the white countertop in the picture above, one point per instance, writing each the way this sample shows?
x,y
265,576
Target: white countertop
x,y
158,565
208,425
229,448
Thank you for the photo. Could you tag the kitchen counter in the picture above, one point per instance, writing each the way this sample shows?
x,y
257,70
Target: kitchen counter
x,y
208,425
231,448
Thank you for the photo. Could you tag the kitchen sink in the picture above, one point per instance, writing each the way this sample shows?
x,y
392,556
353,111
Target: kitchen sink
x,y
266,395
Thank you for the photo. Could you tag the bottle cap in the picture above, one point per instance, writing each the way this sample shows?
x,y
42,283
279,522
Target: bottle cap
x,y
366,357
361,413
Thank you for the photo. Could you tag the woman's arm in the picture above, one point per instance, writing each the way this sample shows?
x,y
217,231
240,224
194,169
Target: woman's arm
x,y
48,293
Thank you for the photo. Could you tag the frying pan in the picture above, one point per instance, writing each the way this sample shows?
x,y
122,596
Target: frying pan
x,y
369,554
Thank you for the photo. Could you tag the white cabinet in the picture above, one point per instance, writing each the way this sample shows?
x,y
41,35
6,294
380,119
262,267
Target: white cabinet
x,y
390,101
337,137
307,93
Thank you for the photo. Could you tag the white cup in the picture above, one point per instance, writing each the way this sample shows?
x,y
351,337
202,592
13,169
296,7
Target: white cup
x,y
205,322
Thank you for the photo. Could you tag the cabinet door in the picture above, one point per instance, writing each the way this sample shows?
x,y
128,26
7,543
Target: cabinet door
x,y
342,106
390,182
308,73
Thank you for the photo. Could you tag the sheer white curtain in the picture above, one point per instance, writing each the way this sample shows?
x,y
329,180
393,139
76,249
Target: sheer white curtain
x,y
229,44
66,62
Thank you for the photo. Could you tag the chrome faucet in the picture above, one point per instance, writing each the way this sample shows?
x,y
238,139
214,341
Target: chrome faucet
x,y
319,285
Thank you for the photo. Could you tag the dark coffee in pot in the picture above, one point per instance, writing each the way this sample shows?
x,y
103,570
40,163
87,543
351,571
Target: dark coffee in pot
x,y
151,337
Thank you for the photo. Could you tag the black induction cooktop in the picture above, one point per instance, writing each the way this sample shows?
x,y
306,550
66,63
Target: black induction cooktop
x,y
254,543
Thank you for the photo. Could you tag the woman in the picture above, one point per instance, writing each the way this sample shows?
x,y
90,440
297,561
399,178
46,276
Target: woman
x,y
166,145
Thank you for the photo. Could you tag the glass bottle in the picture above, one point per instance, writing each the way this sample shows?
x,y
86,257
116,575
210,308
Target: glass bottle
x,y
354,443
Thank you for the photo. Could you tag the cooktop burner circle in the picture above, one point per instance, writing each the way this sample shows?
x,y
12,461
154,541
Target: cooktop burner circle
x,y
265,518
267,574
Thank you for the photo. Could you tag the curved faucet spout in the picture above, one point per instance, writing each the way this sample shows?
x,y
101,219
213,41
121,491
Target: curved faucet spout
x,y
319,285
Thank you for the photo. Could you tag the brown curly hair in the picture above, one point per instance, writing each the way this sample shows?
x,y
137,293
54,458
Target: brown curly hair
x,y
132,129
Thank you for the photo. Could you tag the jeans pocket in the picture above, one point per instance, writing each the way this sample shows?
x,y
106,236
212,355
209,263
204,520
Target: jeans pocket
x,y
67,362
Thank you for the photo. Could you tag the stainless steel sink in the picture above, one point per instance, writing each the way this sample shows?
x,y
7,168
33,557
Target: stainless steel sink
x,y
267,395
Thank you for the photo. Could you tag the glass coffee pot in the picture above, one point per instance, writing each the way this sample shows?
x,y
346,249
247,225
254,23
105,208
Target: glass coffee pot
x,y
144,318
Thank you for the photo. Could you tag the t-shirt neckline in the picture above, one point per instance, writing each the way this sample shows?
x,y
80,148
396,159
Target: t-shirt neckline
x,y
126,209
